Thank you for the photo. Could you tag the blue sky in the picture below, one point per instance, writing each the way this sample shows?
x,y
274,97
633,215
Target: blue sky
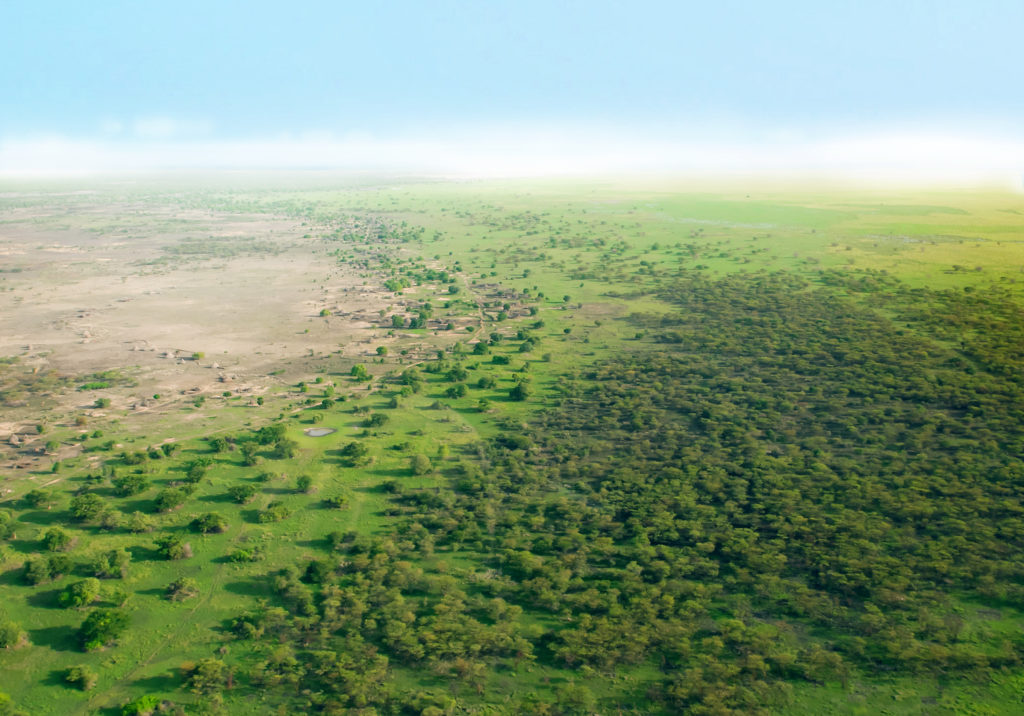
x,y
740,73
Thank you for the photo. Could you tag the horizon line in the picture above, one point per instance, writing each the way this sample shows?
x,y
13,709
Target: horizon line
x,y
903,153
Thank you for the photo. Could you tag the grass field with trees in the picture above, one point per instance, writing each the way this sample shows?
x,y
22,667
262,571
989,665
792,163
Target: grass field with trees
x,y
605,447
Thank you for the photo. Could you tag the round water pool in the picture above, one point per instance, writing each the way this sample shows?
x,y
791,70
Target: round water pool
x,y
319,432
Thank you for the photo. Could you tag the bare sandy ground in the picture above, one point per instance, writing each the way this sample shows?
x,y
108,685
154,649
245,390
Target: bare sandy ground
x,y
95,286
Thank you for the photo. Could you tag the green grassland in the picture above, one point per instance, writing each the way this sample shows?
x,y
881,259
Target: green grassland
x,y
684,448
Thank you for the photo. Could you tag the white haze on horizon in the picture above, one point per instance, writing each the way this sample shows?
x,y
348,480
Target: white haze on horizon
x,y
932,155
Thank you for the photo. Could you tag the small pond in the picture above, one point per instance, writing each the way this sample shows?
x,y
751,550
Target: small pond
x,y
319,432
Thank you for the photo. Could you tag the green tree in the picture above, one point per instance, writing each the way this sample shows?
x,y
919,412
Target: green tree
x,y
173,547
270,434
420,464
274,512
355,452
129,485
57,539
249,453
338,502
170,499
11,635
376,420
6,525
285,448
110,519
456,391
102,627
218,444
139,522
87,506
519,392
573,698
111,564
38,498
207,676
242,494
143,706
80,594
37,570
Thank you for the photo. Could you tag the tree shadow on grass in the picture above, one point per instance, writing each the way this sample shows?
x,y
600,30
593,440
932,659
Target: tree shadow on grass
x,y
13,577
319,543
278,491
163,683
219,498
56,677
381,488
392,472
140,505
46,517
145,554
247,588
45,599
26,546
251,517
58,638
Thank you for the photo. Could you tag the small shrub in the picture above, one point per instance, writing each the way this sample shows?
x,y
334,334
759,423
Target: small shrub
x,y
274,512
242,494
284,449
338,502
181,589
139,522
81,677
143,706
376,420
110,565
211,522
173,547
170,499
11,636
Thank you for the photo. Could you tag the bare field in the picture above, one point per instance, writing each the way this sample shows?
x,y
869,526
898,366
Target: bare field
x,y
102,286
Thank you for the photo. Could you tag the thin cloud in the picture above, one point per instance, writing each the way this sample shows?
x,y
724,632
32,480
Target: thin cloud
x,y
502,151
